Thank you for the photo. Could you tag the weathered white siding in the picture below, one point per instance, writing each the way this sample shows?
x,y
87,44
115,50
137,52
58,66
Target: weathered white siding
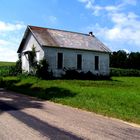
x,y
30,42
70,60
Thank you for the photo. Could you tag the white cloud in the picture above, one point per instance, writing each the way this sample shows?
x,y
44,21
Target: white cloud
x,y
52,19
3,42
7,54
124,29
10,27
10,37
97,9
129,19
87,1
89,4
130,2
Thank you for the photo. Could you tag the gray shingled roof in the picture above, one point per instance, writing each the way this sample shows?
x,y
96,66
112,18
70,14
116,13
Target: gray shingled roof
x,y
66,39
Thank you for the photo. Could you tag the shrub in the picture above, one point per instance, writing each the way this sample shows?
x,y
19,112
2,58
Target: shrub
x,y
71,74
18,66
42,70
74,74
124,72
9,71
1,82
4,70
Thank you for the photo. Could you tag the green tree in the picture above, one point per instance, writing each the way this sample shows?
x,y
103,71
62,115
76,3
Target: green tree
x,y
118,59
42,70
32,61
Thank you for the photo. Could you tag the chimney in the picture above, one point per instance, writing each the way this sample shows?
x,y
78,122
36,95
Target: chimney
x,y
91,34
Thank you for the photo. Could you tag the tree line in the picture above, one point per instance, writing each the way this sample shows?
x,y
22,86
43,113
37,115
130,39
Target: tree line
x,y
121,59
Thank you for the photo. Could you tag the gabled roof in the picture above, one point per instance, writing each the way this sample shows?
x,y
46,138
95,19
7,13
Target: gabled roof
x,y
64,39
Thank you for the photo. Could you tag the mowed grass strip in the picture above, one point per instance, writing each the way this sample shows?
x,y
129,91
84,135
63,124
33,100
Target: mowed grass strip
x,y
119,97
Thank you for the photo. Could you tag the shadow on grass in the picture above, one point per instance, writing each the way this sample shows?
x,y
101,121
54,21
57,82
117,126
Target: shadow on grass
x,y
56,92
24,86
45,94
8,83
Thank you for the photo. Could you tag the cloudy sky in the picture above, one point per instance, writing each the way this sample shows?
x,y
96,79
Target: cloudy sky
x,y
115,22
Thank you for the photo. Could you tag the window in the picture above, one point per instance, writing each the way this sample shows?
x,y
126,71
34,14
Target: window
x,y
96,62
60,60
79,61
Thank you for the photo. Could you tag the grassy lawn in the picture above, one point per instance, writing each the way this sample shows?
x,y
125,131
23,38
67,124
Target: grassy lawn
x,y
119,97
7,63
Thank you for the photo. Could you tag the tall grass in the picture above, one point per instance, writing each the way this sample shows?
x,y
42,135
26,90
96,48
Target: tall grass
x,y
5,68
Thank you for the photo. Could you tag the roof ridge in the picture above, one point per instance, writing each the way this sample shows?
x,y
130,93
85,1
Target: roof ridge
x,y
56,37
59,30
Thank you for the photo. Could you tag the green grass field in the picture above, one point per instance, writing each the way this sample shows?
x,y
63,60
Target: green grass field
x,y
119,97
7,63
5,67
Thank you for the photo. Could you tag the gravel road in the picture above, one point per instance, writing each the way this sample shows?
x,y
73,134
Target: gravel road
x,y
27,118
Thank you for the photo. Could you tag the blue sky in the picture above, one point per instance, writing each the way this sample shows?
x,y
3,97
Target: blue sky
x,y
115,22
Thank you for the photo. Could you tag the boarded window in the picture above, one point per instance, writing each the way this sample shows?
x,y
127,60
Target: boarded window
x,y
60,60
79,61
96,62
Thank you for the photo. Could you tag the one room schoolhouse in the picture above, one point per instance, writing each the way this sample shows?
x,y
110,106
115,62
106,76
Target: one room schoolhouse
x,y
65,50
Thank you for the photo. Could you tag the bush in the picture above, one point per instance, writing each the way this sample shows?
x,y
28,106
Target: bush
x,y
4,70
124,72
42,70
1,82
18,67
7,70
71,74
74,74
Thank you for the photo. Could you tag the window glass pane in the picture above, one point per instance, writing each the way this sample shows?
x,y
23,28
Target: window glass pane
x,y
96,62
60,60
79,61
